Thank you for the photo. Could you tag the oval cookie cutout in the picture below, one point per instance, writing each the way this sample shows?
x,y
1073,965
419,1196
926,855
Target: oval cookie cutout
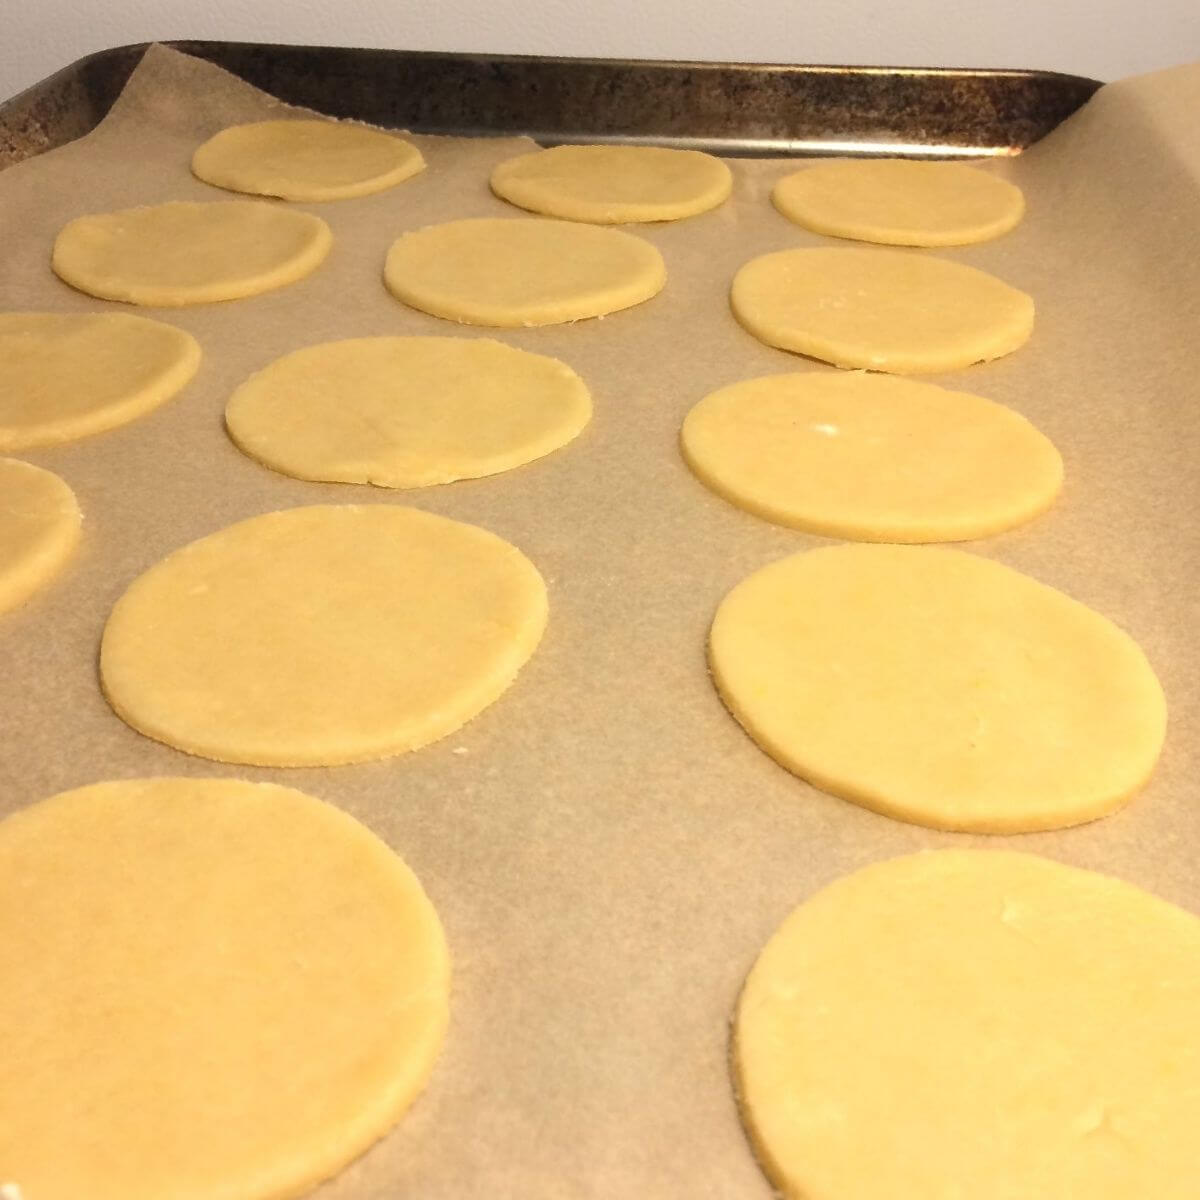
x,y
185,252
608,185
406,412
514,272
39,529
871,457
900,202
938,687
250,988
66,376
975,1023
320,636
306,160
884,310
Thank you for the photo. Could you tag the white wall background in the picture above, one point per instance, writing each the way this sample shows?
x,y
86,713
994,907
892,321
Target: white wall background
x,y
1106,39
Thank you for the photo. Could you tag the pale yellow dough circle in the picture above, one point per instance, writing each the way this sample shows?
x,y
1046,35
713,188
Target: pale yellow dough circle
x,y
211,988
190,253
323,635
67,376
938,687
885,310
39,529
871,457
306,160
406,411
516,271
900,202
975,1023
611,184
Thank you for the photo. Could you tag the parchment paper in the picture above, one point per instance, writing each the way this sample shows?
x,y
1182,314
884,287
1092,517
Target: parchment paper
x,y
607,849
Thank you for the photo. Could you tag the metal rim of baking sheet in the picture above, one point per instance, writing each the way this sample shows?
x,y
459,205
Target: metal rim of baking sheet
x,y
726,108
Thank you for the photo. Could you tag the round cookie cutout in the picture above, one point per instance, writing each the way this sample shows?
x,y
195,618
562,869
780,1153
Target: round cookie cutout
x,y
406,411
884,310
900,202
510,272
39,529
608,185
975,1023
67,376
871,457
323,635
938,687
185,252
306,160
212,988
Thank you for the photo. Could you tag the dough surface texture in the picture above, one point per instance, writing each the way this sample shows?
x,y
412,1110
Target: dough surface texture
x,y
884,310
323,635
211,988
900,202
306,160
39,529
938,687
512,272
406,412
608,185
975,1023
190,253
67,376
871,457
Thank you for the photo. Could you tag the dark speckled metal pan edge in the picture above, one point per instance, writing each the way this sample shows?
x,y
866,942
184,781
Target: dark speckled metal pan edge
x,y
729,108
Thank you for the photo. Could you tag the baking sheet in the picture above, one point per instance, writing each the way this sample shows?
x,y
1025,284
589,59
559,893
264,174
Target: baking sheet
x,y
608,851
747,108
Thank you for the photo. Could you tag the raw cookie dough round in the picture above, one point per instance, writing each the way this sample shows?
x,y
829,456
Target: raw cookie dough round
x,y
887,310
66,376
211,988
513,272
406,411
190,253
871,457
938,687
306,160
975,1023
610,184
39,529
900,202
323,635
